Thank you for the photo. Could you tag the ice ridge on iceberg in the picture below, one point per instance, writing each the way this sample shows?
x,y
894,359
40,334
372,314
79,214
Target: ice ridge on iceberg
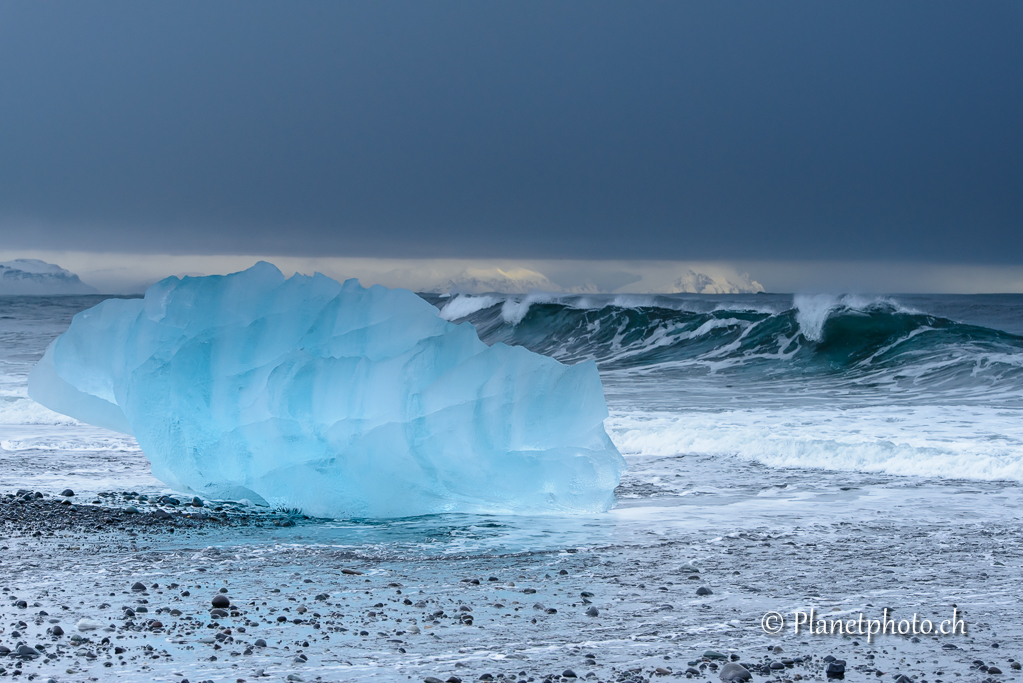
x,y
332,398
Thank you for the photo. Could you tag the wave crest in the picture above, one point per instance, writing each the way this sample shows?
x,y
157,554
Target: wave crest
x,y
868,342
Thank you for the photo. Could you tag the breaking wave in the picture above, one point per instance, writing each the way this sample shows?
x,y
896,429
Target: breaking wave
x,y
25,411
871,343
811,382
977,442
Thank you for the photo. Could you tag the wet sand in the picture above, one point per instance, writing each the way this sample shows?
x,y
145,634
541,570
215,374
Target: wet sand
x,y
99,593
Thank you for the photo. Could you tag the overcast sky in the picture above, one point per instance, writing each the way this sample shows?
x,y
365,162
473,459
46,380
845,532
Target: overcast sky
x,y
767,131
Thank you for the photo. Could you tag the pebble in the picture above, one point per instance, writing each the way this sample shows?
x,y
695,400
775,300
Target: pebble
x,y
26,651
67,493
221,600
734,672
836,669
703,590
592,612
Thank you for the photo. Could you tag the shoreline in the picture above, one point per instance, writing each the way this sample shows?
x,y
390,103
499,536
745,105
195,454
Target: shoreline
x,y
130,512
339,612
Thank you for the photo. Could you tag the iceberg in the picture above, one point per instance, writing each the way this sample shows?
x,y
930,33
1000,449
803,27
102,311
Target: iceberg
x,y
692,282
334,399
480,281
32,276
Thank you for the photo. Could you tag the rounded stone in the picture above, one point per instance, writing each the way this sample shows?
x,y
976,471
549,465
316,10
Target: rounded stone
x,y
731,672
836,669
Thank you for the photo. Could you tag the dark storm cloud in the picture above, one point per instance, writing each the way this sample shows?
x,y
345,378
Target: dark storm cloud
x,y
526,129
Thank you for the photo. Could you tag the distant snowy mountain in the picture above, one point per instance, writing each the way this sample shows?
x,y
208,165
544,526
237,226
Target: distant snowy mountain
x,y
31,276
479,281
720,280
692,282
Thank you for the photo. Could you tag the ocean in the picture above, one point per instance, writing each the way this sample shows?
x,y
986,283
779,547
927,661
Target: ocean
x,y
906,385
841,453
722,388
921,385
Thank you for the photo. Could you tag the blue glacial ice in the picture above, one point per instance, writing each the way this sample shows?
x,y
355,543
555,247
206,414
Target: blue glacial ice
x,y
334,399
